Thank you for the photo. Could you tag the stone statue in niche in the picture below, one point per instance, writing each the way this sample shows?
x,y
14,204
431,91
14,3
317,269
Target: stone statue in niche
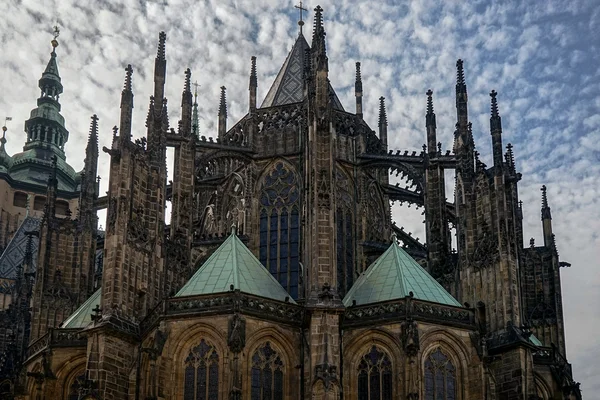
x,y
236,339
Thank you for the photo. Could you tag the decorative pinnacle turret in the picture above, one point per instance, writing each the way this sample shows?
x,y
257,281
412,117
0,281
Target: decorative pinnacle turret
x,y
510,157
493,95
546,214
461,86
382,112
128,74
93,137
223,103
162,37
429,102
253,78
318,30
544,197
358,81
187,87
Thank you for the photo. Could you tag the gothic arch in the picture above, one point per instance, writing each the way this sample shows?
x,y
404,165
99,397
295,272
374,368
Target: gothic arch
x,y
180,345
542,389
68,373
361,344
279,223
286,350
456,351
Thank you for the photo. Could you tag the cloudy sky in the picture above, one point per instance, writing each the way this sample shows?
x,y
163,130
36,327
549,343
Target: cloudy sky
x,y
542,57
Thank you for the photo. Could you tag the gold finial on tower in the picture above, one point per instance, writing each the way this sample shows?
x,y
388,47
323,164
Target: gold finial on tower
x,y
196,85
56,34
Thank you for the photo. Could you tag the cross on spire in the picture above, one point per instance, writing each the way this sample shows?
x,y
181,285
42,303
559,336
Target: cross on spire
x,y
56,31
196,85
301,8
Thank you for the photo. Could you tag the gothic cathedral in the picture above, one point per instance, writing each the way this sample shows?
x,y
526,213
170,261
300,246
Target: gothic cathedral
x,y
280,274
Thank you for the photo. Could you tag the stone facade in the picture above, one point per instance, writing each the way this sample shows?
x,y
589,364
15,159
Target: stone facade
x,y
306,186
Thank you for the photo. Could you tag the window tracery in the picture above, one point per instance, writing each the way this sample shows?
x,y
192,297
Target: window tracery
x,y
201,376
267,374
279,227
375,376
76,387
440,377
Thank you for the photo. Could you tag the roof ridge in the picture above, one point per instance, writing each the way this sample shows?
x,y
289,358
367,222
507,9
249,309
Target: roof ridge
x,y
236,269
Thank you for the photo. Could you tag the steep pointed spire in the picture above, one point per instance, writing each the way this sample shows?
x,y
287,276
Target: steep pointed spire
x,y
461,86
46,127
358,91
318,46
92,144
186,106
496,131
195,118
253,85
126,106
547,220
160,69
223,113
431,126
383,123
89,185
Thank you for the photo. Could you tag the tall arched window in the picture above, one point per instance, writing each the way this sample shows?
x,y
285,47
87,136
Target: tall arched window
x,y
280,227
375,376
76,386
440,377
201,378
267,374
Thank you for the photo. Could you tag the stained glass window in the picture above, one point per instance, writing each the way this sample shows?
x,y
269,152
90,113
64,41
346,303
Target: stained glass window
x,y
201,376
440,377
76,386
279,226
375,376
267,374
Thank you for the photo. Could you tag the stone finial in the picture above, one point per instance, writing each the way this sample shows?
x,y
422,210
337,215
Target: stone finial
x,y
494,106
93,137
187,87
461,86
429,102
253,78
545,207
128,74
382,112
160,54
318,30
223,102
358,81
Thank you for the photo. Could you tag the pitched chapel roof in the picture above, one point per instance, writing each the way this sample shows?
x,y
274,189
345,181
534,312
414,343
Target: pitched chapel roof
x,y
394,275
232,265
288,86
83,315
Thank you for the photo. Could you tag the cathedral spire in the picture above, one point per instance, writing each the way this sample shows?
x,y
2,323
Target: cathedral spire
x,y
46,127
126,106
253,84
222,113
89,186
186,106
430,125
383,123
496,131
195,119
160,69
546,220
358,91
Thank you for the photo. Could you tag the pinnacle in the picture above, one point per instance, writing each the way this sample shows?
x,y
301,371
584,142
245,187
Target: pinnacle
x,y
493,95
223,102
128,74
382,112
461,86
187,84
429,102
162,37
358,82
544,197
253,79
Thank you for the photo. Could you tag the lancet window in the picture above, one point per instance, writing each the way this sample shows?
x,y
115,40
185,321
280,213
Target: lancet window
x,y
440,377
375,376
201,376
280,227
267,374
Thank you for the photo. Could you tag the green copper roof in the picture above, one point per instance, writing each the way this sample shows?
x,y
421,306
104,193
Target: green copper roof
x,y
232,264
83,315
533,339
393,276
